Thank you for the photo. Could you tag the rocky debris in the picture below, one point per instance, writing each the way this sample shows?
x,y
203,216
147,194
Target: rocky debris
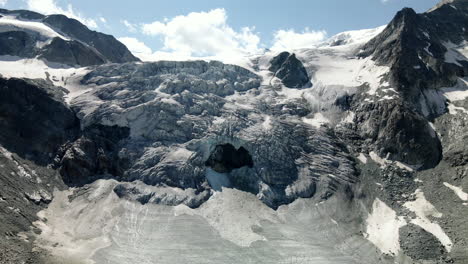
x,y
419,244
34,123
290,70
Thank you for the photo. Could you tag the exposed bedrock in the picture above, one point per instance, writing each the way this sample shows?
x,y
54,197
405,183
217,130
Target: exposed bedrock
x,y
106,45
94,155
71,53
398,133
419,49
290,70
34,119
34,122
76,45
17,43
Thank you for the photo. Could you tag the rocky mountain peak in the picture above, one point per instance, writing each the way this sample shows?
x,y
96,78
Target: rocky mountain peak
x,y
418,48
59,39
290,70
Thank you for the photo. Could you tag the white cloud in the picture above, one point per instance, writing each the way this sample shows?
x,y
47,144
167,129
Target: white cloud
x,y
3,2
135,46
49,7
103,20
289,39
131,27
203,34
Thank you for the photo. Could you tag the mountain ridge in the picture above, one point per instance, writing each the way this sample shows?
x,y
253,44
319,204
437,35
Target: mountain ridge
x,y
348,152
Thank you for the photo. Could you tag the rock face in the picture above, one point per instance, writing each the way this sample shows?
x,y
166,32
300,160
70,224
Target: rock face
x,y
34,119
94,155
419,48
399,134
71,53
35,123
58,39
385,155
290,70
106,45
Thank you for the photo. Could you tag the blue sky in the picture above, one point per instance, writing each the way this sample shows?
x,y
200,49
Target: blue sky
x,y
220,25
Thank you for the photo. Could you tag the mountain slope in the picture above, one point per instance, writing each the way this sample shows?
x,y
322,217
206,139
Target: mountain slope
x,y
58,39
352,151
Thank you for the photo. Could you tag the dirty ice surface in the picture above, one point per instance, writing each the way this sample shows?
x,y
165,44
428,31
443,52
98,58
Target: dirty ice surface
x,y
232,227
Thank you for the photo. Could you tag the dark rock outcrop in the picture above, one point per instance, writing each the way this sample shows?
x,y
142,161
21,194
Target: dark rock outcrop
x,y
106,45
35,121
399,133
16,43
71,53
23,14
94,155
290,70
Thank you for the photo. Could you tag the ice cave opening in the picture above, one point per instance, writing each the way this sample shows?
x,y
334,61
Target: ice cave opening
x,y
222,161
225,158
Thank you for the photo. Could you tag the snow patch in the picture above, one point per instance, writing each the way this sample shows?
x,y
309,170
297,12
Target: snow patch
x,y
362,158
458,92
59,75
383,162
456,53
10,24
316,121
382,227
424,210
458,191
267,124
338,68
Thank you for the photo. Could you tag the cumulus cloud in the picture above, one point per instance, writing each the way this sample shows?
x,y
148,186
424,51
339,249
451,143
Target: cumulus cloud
x,y
290,39
135,46
131,27
49,7
142,51
3,2
203,34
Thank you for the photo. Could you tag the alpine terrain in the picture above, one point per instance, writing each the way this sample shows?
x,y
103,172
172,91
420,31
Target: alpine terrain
x,y
352,151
